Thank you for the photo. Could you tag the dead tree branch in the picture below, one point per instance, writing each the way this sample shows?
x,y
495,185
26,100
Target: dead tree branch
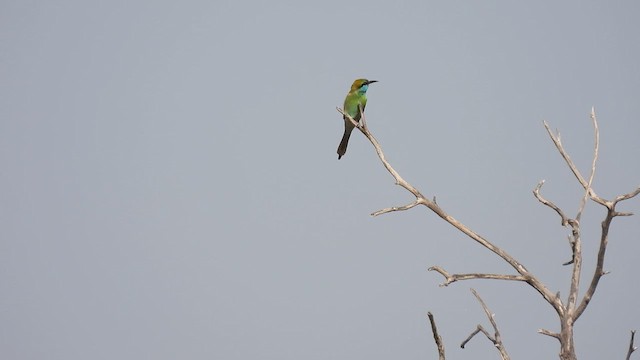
x,y
573,310
604,240
632,348
479,329
575,224
451,278
564,220
495,339
433,206
558,143
568,313
596,132
436,337
549,333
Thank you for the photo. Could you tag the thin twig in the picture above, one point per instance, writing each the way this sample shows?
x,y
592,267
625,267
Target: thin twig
x,y
451,278
549,333
599,270
627,196
479,329
564,220
536,192
577,241
596,132
495,339
575,312
632,348
395,208
558,143
436,337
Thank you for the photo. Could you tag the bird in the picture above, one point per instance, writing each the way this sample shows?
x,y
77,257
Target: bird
x,y
356,98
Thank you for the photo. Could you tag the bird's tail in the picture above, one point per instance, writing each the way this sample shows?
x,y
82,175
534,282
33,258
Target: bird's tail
x,y
342,148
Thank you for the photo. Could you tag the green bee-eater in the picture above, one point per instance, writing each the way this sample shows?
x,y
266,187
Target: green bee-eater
x,y
356,98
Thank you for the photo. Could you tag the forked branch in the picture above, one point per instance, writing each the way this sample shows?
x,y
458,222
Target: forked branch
x,y
568,313
632,347
495,338
574,224
433,206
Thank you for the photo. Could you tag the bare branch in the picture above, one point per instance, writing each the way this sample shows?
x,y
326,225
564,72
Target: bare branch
x,y
399,180
564,221
623,214
451,278
569,314
362,117
575,225
549,333
576,260
575,242
599,270
475,332
436,337
433,206
495,339
627,196
396,208
558,143
596,132
632,348
353,121
536,192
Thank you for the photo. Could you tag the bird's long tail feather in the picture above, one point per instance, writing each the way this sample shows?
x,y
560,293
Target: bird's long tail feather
x,y
342,148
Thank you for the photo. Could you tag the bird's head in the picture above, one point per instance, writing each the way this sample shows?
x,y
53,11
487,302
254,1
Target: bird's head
x,y
362,85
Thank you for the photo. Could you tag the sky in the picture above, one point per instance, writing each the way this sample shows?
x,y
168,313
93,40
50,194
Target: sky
x,y
170,187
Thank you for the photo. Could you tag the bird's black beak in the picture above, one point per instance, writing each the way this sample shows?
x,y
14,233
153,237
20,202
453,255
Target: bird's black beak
x,y
371,81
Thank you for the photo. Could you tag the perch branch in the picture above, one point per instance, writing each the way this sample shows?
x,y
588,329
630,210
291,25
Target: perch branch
x,y
568,315
433,206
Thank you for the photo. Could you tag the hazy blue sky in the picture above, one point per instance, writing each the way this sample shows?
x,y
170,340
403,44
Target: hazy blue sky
x,y
170,187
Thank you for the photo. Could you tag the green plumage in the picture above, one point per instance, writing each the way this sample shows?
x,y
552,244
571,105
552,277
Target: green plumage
x,y
356,98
